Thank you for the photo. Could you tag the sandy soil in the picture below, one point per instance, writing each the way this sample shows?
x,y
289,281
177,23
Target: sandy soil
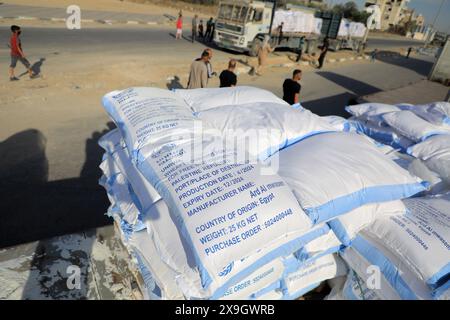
x,y
129,6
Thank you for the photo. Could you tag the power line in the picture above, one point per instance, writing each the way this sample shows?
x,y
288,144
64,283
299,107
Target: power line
x,y
437,13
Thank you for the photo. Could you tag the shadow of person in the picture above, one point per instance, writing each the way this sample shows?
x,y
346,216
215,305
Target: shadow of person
x,y
422,67
34,208
36,67
60,214
175,83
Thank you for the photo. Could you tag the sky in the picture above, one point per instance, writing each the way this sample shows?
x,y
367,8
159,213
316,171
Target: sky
x,y
428,8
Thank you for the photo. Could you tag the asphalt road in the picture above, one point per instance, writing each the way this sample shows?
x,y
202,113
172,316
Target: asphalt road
x,y
387,43
126,39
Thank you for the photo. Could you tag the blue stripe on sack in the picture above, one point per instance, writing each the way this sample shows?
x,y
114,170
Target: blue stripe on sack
x,y
110,108
437,293
272,287
347,203
300,292
283,250
340,231
348,290
388,269
441,276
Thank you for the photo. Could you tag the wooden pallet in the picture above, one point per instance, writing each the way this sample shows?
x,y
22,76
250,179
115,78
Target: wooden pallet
x,y
138,285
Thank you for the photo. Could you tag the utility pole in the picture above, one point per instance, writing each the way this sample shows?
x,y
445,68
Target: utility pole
x,y
273,15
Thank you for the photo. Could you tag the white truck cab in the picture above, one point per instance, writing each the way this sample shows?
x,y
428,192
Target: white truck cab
x,y
241,25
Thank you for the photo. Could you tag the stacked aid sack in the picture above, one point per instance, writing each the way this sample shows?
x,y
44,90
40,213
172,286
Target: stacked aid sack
x,y
243,208
404,253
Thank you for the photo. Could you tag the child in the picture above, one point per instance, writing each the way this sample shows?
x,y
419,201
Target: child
x,y
373,55
17,54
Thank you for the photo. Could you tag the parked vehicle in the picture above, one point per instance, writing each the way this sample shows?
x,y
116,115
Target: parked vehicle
x,y
242,25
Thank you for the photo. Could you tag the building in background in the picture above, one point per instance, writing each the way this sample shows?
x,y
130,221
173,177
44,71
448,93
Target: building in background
x,y
420,21
393,12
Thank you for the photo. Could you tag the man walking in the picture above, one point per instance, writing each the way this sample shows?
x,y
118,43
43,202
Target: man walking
x,y
227,77
194,28
373,55
17,54
300,48
280,32
213,29
198,75
291,88
209,25
409,52
323,52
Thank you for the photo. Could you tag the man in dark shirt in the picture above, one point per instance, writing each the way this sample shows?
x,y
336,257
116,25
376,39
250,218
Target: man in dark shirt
x,y
227,77
291,88
323,52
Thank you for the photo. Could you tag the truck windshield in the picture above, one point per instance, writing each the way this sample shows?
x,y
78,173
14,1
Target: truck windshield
x,y
232,12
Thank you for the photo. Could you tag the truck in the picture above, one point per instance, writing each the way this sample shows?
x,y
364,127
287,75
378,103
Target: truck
x,y
242,25
350,35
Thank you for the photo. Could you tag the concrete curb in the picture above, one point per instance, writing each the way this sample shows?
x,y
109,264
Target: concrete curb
x,y
102,21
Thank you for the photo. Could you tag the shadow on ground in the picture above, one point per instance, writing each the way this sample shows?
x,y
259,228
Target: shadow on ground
x,y
33,208
420,66
174,83
335,105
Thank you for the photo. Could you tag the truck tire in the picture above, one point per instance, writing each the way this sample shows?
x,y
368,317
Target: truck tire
x,y
256,45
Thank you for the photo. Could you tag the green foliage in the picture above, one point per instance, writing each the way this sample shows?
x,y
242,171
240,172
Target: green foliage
x,y
349,10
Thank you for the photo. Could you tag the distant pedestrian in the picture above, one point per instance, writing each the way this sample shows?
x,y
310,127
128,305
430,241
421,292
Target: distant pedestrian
x,y
209,24
263,55
201,33
227,77
373,55
300,48
323,52
292,87
17,54
213,29
409,52
179,27
280,32
194,28
198,75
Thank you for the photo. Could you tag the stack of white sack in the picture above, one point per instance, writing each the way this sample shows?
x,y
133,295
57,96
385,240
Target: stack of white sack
x,y
239,209
422,131
296,21
401,256
352,29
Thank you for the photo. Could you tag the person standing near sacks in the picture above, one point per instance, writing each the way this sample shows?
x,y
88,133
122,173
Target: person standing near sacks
x,y
292,87
211,73
194,28
179,27
263,54
227,77
198,75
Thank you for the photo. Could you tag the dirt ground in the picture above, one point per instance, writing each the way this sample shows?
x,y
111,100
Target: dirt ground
x,y
130,6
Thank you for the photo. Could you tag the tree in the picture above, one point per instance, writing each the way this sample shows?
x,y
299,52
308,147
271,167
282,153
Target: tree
x,y
349,10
